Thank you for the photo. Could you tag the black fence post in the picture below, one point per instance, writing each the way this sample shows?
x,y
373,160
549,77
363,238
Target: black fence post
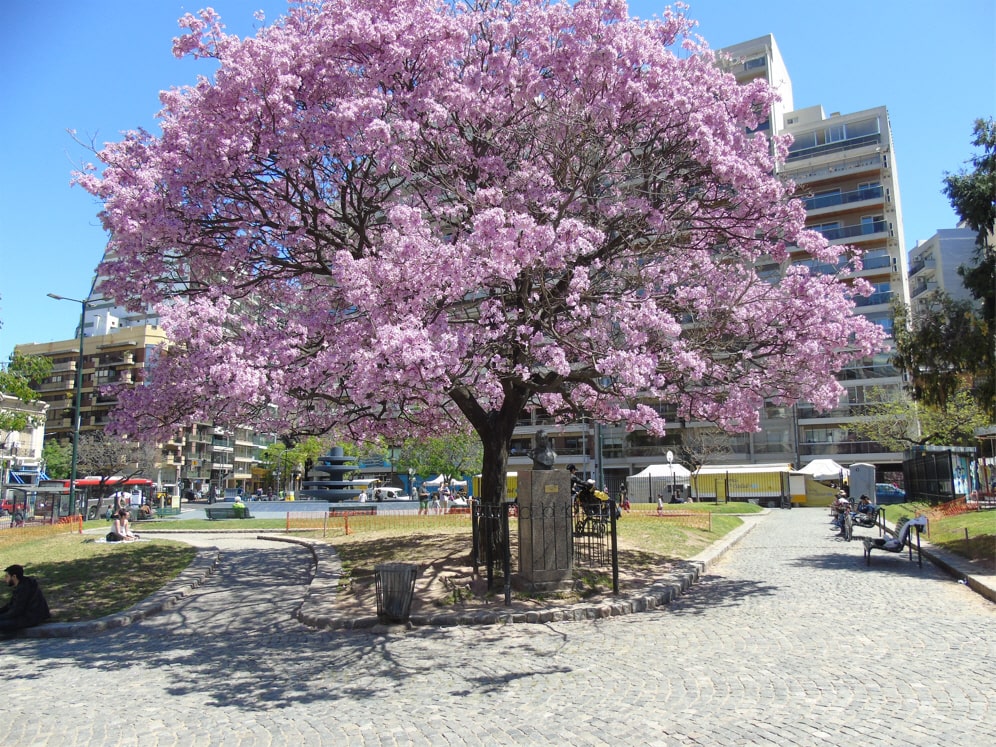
x,y
615,547
507,553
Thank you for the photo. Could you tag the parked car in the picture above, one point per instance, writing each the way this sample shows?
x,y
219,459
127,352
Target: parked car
x,y
886,493
386,494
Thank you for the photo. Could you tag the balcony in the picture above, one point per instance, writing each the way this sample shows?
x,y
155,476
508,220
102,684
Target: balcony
x,y
835,147
849,232
930,285
843,198
116,359
922,264
872,163
882,297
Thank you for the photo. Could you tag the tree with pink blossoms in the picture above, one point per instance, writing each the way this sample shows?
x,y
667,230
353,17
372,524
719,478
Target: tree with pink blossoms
x,y
382,218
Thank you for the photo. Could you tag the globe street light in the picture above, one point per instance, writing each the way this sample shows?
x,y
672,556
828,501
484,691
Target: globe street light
x,y
78,403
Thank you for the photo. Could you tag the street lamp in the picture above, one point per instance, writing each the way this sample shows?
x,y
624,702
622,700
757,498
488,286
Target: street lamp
x,y
394,454
670,464
12,449
78,404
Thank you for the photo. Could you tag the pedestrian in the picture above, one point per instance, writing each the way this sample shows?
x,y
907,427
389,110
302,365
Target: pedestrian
x,y
27,606
423,501
435,502
660,504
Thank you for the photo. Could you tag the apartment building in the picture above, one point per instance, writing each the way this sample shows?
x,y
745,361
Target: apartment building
x,y
21,450
844,168
200,456
934,263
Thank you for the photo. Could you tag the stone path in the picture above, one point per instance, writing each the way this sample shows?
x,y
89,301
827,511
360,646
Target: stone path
x,y
788,640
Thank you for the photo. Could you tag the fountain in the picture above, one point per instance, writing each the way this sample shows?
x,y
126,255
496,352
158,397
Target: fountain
x,y
335,488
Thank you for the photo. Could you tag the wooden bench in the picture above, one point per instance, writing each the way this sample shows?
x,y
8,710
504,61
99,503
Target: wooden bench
x,y
226,512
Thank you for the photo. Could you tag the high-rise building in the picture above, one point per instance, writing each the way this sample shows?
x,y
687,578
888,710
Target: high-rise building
x,y
934,265
844,168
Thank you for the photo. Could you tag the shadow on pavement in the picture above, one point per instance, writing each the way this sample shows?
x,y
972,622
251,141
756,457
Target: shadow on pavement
x,y
715,591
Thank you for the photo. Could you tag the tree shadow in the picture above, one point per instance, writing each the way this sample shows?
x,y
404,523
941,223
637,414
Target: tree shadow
x,y
262,658
881,562
712,592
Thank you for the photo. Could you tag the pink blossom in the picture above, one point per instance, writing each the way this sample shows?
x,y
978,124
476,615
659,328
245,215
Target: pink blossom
x,y
377,216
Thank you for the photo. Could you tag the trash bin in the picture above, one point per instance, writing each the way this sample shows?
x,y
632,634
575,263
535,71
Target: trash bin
x,y
395,588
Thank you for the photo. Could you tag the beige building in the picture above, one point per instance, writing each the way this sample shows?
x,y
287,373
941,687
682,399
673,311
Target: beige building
x,y
203,455
114,358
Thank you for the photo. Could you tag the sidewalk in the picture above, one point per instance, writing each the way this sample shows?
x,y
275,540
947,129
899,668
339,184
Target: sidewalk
x,y
318,606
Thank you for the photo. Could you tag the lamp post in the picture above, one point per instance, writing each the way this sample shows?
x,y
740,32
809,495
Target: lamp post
x,y
670,464
394,454
411,483
78,403
5,466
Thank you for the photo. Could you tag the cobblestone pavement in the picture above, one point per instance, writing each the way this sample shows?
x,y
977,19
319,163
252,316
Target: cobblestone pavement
x,y
787,640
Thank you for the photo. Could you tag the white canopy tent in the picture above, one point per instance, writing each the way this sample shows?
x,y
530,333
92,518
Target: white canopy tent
x,y
825,469
663,470
657,479
439,480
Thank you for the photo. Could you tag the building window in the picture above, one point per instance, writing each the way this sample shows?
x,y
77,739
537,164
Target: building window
x,y
872,224
755,63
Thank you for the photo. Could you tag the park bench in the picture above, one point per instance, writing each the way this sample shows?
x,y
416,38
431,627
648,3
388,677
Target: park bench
x,y
900,541
353,510
226,512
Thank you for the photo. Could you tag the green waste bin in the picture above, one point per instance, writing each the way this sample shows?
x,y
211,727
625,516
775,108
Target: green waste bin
x,y
395,589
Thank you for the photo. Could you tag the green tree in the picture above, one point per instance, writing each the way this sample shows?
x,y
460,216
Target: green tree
x,y
459,453
58,459
898,422
940,348
16,379
283,457
972,194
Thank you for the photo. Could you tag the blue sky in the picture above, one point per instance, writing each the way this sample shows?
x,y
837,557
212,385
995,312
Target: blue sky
x,y
97,67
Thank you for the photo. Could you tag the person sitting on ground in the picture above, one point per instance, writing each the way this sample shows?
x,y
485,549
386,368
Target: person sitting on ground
x,y
121,529
27,606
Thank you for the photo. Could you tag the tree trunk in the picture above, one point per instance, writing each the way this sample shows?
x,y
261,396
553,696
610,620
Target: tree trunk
x,y
495,467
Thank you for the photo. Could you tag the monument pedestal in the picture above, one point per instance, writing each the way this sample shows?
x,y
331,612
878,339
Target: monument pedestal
x,y
546,542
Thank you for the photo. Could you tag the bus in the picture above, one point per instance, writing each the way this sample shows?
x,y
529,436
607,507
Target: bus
x,y
96,494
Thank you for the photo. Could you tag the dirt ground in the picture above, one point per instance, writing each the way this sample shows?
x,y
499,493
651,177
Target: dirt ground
x,y
449,585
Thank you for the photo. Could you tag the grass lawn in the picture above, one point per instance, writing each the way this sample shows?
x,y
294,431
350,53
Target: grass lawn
x,y
83,579
949,531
